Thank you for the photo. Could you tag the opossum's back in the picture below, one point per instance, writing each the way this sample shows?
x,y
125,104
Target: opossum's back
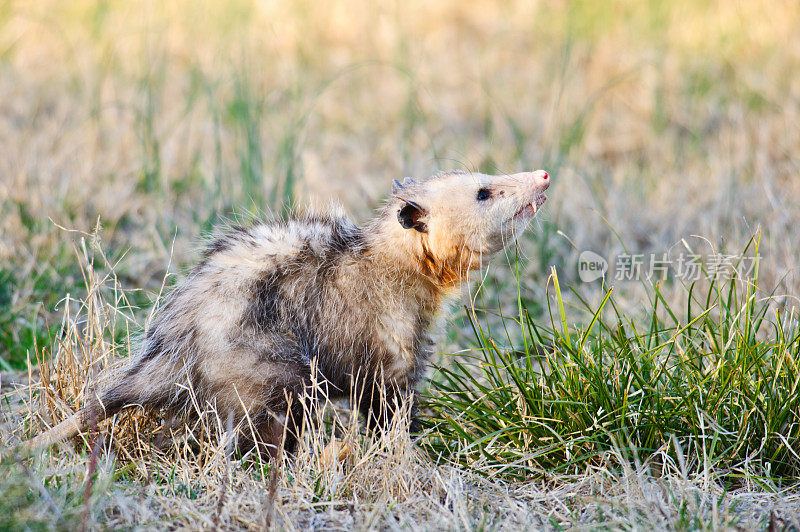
x,y
200,334
207,312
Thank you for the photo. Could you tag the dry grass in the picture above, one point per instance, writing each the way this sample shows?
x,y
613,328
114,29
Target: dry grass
x,y
192,480
658,120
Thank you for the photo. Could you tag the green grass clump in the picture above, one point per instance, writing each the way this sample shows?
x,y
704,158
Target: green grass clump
x,y
712,386
23,324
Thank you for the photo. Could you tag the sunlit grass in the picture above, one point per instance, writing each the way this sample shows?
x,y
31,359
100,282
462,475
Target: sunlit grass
x,y
714,384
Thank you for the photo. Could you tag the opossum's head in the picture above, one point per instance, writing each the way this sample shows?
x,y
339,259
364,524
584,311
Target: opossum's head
x,y
455,221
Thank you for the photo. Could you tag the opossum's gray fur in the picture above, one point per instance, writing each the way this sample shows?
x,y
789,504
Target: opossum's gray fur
x,y
272,303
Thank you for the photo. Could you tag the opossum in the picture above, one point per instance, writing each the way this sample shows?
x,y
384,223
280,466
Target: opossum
x,y
278,305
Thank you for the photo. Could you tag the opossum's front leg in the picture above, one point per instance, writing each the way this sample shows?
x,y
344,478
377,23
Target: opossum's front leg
x,y
380,401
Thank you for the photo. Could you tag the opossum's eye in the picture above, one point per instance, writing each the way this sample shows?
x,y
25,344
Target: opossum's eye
x,y
484,194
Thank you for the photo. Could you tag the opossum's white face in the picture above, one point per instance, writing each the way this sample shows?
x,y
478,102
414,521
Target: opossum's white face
x,y
464,218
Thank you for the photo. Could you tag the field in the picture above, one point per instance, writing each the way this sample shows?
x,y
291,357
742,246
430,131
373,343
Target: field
x,y
664,394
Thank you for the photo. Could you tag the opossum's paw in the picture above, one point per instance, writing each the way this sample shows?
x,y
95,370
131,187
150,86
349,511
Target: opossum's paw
x,y
414,425
335,451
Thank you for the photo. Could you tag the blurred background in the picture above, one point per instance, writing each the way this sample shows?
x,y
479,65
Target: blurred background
x,y
662,122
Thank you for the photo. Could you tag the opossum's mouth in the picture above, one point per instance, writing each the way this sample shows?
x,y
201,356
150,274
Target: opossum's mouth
x,y
531,208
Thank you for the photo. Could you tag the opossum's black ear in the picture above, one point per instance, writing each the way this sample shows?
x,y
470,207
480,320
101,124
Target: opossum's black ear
x,y
411,215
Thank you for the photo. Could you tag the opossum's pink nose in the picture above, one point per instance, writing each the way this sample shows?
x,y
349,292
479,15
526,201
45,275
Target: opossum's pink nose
x,y
541,178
